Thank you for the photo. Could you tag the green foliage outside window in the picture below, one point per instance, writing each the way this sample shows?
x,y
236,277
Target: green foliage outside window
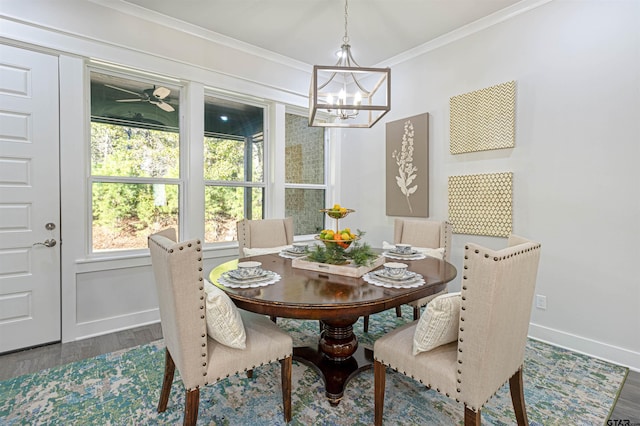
x,y
228,161
125,213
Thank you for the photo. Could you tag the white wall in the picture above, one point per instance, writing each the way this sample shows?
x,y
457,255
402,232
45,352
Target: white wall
x,y
575,163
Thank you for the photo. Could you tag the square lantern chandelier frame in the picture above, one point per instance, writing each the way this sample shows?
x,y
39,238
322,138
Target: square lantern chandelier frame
x,y
343,83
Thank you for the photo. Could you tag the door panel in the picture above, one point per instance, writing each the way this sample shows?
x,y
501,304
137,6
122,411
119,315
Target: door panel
x,y
29,199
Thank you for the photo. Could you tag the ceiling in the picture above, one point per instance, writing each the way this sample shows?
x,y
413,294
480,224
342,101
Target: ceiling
x,y
311,31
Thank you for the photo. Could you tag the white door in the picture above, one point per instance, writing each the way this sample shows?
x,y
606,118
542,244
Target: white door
x,y
30,309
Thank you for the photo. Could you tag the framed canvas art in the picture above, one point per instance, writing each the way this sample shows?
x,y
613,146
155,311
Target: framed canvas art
x,y
481,204
484,119
407,162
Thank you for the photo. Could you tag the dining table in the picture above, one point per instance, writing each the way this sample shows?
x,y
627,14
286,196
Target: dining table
x,y
336,301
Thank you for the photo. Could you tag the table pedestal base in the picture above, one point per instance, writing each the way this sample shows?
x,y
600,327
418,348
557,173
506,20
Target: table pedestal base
x,y
335,374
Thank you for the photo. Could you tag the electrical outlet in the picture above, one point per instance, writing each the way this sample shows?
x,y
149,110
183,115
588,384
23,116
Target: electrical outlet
x,y
541,302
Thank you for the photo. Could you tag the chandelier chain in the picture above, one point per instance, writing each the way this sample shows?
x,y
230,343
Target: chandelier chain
x,y
345,39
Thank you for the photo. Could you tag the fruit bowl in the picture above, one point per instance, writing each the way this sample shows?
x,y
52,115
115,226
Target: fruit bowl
x,y
342,243
337,214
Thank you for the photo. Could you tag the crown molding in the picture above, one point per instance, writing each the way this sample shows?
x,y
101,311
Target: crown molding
x,y
481,24
194,30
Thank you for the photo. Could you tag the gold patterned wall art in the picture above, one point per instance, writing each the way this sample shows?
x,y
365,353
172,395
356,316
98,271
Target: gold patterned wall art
x,y
484,119
481,204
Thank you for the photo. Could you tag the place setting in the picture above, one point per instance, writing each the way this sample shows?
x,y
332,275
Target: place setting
x,y
394,275
248,274
401,252
294,251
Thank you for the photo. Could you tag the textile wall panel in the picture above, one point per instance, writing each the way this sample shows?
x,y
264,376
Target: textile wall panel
x,y
484,119
481,204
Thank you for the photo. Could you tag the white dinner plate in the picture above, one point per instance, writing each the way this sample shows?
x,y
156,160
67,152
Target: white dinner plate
x,y
408,275
236,275
417,281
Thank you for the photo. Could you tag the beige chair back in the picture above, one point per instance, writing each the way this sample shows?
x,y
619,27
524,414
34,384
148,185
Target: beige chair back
x,y
497,294
424,233
264,233
177,268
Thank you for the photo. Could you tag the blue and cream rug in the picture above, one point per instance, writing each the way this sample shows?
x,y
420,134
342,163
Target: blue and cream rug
x,y
122,388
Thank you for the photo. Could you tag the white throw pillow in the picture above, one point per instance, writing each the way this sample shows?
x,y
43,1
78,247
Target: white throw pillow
x,y
224,324
438,253
439,323
258,251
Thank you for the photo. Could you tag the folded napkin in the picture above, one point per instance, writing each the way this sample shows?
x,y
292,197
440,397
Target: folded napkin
x,y
264,250
438,253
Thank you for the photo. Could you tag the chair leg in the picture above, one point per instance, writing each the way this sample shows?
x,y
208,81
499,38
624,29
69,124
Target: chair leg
x,y
273,319
285,377
366,323
471,418
517,397
416,313
379,378
399,311
169,371
192,402
321,325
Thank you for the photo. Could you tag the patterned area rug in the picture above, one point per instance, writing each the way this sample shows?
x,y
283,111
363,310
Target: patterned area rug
x,y
122,388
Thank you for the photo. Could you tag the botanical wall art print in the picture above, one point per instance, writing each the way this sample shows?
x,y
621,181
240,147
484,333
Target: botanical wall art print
x,y
407,174
481,204
484,119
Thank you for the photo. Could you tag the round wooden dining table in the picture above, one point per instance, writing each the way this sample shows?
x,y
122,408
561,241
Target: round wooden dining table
x,y
335,300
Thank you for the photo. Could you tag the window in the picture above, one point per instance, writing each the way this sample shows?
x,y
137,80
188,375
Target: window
x,y
234,151
305,184
135,161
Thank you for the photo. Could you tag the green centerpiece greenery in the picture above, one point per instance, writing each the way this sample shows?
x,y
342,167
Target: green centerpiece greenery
x,y
359,254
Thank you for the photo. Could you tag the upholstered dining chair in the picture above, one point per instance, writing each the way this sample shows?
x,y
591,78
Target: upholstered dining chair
x,y
467,345
423,234
189,315
263,235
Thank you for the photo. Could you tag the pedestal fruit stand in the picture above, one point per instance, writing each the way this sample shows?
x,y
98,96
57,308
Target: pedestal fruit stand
x,y
336,257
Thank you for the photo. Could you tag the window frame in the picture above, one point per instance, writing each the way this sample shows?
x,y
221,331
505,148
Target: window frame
x,y
191,178
180,182
267,142
323,186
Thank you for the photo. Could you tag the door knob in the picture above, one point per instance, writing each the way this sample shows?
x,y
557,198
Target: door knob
x,y
47,243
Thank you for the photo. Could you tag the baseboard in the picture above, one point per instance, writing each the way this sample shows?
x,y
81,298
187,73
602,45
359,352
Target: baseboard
x,y
590,347
114,324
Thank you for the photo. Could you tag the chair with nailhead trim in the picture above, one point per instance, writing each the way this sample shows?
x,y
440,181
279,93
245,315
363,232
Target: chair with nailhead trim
x,y
264,233
496,298
424,234
201,360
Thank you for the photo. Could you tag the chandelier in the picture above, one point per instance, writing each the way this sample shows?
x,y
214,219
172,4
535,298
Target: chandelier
x,y
346,93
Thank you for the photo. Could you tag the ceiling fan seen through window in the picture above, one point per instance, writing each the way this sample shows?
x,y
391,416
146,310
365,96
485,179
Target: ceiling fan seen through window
x,y
156,96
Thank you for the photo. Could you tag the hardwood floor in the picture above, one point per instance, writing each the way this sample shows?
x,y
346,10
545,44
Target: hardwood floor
x,y
626,410
31,360
628,405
